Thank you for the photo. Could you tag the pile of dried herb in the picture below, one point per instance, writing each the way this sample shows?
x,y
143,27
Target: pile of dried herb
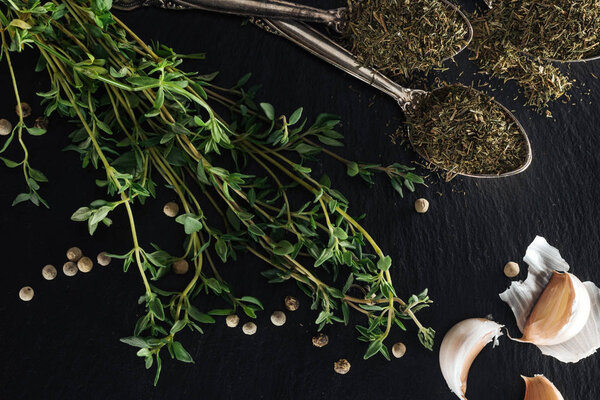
x,y
399,37
464,131
516,39
242,181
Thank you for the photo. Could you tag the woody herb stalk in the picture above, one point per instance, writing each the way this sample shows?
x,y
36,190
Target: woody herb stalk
x,y
145,122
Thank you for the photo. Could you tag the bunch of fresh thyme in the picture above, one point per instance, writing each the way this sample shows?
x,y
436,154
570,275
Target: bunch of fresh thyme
x,y
147,123
403,37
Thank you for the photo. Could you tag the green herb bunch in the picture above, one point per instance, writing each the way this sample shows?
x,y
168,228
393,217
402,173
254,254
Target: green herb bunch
x,y
146,124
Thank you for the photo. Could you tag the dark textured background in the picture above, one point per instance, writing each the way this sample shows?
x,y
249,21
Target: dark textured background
x,y
65,343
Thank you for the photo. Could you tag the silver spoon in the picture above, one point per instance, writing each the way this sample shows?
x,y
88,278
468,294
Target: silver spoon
x,y
283,10
408,99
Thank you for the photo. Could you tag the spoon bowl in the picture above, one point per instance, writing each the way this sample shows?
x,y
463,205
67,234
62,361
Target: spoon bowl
x,y
526,160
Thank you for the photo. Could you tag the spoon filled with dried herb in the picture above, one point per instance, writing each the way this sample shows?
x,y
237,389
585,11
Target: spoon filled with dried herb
x,y
397,37
401,37
456,128
466,132
523,40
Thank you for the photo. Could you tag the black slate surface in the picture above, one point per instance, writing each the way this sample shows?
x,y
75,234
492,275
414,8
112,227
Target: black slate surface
x,y
64,344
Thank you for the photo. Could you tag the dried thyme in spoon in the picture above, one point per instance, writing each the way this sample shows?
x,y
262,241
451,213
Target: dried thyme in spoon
x,y
518,39
464,131
399,37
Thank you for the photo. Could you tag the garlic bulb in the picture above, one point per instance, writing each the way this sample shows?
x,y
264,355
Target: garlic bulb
x,y
460,347
539,387
555,311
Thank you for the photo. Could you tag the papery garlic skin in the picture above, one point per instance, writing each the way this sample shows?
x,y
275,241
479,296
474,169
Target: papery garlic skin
x,y
459,348
560,313
543,260
540,388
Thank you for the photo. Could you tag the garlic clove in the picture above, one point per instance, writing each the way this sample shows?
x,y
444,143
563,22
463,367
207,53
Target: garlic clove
x,y
560,313
586,342
576,341
539,387
459,348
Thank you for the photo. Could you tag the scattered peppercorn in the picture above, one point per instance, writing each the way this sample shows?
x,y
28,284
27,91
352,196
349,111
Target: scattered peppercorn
x,y
103,259
41,123
398,349
25,110
180,267
278,318
70,268
232,320
26,293
511,269
341,366
421,206
74,254
5,127
320,340
85,264
171,209
291,303
49,272
249,328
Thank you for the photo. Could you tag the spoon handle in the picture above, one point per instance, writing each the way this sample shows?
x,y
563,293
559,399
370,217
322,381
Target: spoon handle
x,y
335,18
323,47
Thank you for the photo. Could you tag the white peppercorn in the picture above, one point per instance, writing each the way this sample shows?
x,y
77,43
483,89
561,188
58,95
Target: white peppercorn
x,y
5,127
398,349
70,268
25,109
511,269
26,293
278,318
291,303
249,328
232,320
85,264
74,254
171,209
180,267
341,366
421,205
49,272
320,340
103,259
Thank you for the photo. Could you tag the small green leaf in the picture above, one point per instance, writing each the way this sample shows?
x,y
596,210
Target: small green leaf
x,y
268,110
373,349
192,225
181,354
340,233
200,316
384,263
352,169
9,163
283,248
295,117
135,341
156,308
253,300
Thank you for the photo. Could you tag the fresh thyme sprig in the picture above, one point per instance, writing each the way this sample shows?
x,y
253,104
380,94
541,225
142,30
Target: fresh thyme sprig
x,y
145,122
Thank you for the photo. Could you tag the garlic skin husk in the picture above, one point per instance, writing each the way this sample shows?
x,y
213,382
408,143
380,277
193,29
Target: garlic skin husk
x,y
580,335
540,388
459,348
